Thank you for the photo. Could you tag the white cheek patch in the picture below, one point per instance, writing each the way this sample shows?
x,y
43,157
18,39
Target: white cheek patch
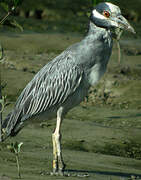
x,y
98,15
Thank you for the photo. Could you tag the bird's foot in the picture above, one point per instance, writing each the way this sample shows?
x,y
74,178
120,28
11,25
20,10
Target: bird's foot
x,y
58,167
61,165
66,173
58,171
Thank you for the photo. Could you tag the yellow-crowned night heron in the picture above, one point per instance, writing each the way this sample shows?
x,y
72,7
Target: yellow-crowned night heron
x,y
64,82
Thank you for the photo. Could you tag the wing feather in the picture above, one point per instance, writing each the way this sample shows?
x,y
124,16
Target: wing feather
x,y
52,85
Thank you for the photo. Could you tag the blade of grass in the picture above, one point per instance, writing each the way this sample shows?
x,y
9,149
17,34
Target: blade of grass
x,y
18,165
5,17
119,52
0,109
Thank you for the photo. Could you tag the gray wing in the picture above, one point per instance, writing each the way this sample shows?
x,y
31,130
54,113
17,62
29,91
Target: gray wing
x,y
51,86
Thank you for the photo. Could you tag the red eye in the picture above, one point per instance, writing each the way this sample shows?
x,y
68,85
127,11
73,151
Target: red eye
x,y
106,14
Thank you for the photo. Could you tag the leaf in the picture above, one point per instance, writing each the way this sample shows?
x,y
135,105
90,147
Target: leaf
x,y
11,147
4,6
94,2
19,146
88,14
14,23
15,147
17,2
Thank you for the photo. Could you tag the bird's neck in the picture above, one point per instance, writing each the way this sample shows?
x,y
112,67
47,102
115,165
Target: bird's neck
x,y
100,34
94,29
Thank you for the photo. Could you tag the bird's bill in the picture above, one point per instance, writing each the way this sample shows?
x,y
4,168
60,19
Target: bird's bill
x,y
122,23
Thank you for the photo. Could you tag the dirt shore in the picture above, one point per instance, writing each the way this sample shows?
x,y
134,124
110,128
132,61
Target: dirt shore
x,y
101,137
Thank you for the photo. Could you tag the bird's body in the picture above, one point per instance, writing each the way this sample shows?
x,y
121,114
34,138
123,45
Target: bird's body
x,y
64,82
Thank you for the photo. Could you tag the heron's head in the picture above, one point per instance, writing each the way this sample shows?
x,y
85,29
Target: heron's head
x,y
108,16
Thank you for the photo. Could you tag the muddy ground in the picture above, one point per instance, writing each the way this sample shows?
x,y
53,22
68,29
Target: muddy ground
x,y
101,137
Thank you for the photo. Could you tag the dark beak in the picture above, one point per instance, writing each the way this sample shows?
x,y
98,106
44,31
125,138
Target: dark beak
x,y
124,24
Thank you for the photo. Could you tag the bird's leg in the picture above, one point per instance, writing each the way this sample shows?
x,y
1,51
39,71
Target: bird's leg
x,y
55,159
58,164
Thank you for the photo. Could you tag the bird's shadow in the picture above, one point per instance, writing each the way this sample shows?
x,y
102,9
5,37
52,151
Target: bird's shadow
x,y
120,117
94,172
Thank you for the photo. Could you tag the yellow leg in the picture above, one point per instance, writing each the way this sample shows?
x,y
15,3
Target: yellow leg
x,y
55,159
58,164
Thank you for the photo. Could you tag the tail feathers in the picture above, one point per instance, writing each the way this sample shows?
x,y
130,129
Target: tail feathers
x,y
12,120
16,129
